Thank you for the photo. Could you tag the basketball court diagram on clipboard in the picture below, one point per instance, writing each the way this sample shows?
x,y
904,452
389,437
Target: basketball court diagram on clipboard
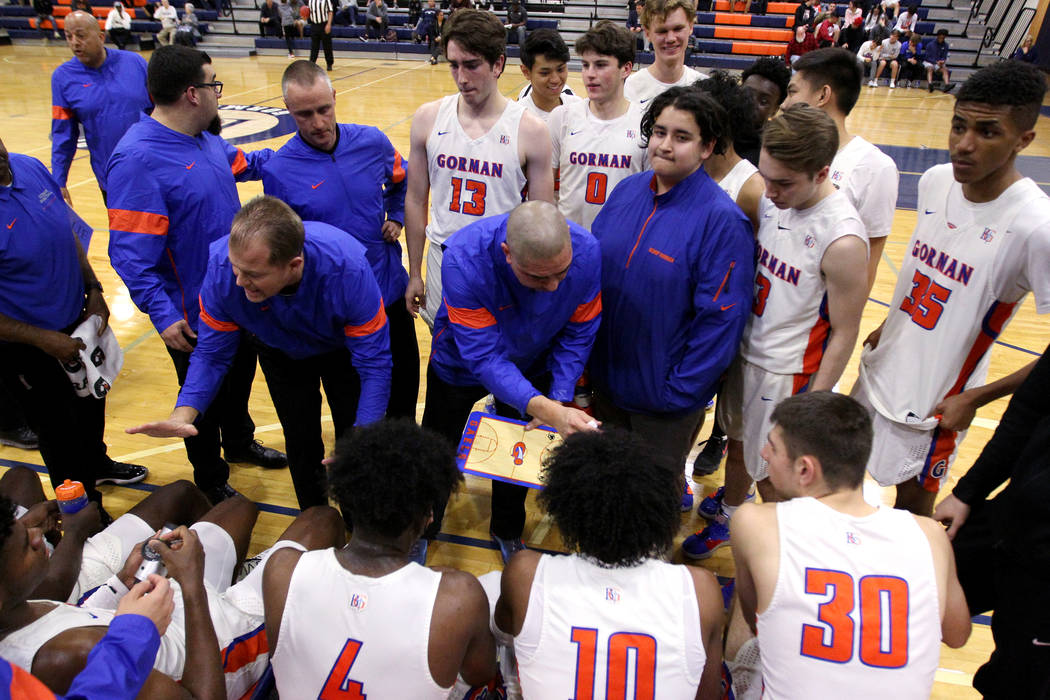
x,y
500,448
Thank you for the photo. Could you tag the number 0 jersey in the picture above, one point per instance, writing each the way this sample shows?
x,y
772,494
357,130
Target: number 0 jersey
x,y
342,633
472,178
964,274
789,324
855,612
593,156
595,632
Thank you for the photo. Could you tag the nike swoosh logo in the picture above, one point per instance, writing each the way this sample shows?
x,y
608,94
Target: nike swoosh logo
x,y
642,102
314,187
190,166
85,85
12,222
765,398
783,228
930,212
504,308
727,306
573,133
442,133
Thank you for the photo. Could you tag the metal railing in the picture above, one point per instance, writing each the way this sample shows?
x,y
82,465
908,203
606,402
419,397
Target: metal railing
x,y
1006,24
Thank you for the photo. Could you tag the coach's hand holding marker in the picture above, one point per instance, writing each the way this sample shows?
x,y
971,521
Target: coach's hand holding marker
x,y
565,419
179,424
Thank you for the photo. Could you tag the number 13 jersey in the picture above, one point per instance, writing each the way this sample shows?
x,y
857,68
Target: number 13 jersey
x,y
965,271
471,178
855,612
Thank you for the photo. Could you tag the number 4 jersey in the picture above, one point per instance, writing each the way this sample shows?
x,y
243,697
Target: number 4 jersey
x,y
965,271
594,632
855,612
472,178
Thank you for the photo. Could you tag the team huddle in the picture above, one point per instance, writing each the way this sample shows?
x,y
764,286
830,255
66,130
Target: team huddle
x,y
669,237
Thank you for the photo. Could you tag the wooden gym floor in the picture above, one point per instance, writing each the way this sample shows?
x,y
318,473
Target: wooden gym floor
x,y
385,93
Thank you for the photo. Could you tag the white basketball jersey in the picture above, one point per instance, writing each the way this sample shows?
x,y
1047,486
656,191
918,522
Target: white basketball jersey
x,y
869,178
593,632
593,156
472,178
641,86
734,180
525,98
341,631
964,274
789,325
855,613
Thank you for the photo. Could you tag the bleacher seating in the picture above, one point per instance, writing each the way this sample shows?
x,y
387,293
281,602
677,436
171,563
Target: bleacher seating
x,y
20,20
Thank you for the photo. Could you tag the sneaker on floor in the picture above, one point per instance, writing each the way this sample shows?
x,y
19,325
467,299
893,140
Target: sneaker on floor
x,y
218,494
710,457
892,85
711,506
873,83
508,547
23,438
260,456
120,473
687,497
703,543
291,55
418,553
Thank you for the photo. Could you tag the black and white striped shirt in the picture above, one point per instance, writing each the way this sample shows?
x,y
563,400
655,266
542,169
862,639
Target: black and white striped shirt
x,y
319,10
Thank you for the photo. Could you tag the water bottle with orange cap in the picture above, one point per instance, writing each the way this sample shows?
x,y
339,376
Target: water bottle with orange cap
x,y
71,496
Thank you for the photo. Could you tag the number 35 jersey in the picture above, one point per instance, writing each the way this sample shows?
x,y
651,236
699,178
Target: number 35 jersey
x,y
471,178
593,632
349,636
855,612
966,269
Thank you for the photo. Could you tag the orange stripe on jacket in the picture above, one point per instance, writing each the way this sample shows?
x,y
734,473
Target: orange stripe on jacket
x,y
214,323
239,163
471,318
399,168
26,687
138,222
377,322
60,112
588,310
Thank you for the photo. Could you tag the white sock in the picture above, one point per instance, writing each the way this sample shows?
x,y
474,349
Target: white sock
x,y
726,512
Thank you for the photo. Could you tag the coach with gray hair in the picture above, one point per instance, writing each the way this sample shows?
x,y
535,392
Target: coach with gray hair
x,y
307,298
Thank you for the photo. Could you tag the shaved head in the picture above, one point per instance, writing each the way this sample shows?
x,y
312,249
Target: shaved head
x,y
537,231
85,38
79,19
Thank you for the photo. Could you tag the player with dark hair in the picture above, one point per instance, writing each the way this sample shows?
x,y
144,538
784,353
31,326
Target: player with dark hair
x,y
825,548
980,245
667,635
545,64
809,292
830,80
172,192
392,628
476,152
767,78
670,237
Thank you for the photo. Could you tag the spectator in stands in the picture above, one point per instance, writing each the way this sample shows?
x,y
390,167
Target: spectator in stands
x,y
888,5
634,23
907,20
888,55
429,27
45,12
290,22
937,60
852,35
188,32
376,21
415,9
805,14
169,19
118,24
269,19
911,60
876,18
82,5
868,56
828,29
1025,52
517,18
767,79
802,43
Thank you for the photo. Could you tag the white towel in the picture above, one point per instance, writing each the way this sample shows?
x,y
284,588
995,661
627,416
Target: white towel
x,y
98,365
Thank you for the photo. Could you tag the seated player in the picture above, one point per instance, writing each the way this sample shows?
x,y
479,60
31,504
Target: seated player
x,y
53,640
848,599
545,64
613,606
392,628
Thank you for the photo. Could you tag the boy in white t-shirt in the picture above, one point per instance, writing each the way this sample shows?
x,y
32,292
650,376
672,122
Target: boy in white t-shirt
x,y
545,64
888,53
668,25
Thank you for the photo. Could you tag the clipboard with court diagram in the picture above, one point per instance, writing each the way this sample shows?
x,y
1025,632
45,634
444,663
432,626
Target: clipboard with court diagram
x,y
500,448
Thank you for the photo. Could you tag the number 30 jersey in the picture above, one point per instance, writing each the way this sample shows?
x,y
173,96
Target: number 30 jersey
x,y
348,636
471,178
855,612
965,271
593,632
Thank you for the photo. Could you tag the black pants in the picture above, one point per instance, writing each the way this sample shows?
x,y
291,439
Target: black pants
x,y
70,427
993,579
911,71
226,423
270,28
377,30
289,31
404,350
446,412
319,37
671,436
120,37
295,389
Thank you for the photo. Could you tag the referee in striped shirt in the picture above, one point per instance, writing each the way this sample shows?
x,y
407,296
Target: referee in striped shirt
x,y
321,13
